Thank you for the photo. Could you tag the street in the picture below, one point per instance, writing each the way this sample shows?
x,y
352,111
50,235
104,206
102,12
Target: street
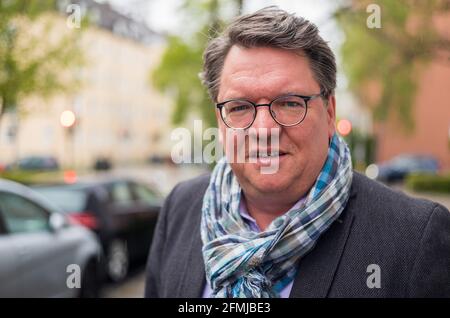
x,y
132,287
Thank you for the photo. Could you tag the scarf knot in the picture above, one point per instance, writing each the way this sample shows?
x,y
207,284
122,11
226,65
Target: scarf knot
x,y
255,282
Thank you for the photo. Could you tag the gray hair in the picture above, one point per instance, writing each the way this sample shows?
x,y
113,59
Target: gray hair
x,y
271,27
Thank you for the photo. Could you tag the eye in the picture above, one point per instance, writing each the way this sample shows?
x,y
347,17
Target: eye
x,y
238,107
289,103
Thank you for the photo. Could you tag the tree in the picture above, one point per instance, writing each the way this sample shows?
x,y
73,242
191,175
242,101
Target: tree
x,y
33,56
390,58
178,75
178,71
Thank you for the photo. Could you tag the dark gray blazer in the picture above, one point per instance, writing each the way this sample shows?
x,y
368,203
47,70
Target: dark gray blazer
x,y
409,239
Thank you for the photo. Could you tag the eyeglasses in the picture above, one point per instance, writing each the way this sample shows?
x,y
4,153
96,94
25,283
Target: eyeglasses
x,y
287,110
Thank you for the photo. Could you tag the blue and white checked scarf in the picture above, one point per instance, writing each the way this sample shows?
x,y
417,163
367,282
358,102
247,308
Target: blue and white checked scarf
x,y
242,263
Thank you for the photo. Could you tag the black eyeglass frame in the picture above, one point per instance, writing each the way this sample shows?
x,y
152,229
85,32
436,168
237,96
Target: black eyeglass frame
x,y
306,98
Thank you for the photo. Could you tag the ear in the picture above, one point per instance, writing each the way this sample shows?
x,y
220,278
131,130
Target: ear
x,y
331,115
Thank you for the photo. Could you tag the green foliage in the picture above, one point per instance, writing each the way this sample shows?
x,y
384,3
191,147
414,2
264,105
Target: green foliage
x,y
429,183
362,149
33,53
31,9
177,74
392,56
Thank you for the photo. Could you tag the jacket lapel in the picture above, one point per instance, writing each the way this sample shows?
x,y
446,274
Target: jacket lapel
x,y
317,269
194,277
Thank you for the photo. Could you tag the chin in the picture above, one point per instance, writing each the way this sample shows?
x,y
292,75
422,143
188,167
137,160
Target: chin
x,y
250,174
270,183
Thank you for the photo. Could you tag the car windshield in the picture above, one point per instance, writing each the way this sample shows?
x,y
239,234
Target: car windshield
x,y
413,162
69,200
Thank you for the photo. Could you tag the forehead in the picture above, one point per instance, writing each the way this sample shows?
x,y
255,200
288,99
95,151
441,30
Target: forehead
x,y
263,72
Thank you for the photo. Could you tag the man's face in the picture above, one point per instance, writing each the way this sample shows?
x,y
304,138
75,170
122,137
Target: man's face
x,y
260,75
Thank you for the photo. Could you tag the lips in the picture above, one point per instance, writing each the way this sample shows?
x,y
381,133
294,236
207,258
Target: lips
x,y
267,157
266,153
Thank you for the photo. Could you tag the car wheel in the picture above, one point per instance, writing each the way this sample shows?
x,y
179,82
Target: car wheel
x,y
117,260
90,286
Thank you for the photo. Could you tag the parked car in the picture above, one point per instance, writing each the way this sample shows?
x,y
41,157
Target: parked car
x,y
102,164
121,212
398,168
34,163
156,159
37,246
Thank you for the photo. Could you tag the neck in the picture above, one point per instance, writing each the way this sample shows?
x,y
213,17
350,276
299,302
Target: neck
x,y
264,210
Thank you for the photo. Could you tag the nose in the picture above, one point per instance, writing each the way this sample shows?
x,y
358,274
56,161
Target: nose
x,y
265,131
264,119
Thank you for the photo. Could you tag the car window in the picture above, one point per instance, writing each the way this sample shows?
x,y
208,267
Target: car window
x,y
121,193
21,215
69,200
145,194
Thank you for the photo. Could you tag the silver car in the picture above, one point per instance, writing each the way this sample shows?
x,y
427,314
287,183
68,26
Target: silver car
x,y
41,254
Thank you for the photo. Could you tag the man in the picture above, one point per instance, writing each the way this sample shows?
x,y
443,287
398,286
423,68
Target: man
x,y
313,228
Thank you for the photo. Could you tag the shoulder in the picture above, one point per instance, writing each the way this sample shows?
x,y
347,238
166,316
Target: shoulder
x,y
390,222
178,224
189,190
376,200
183,204
393,224
408,238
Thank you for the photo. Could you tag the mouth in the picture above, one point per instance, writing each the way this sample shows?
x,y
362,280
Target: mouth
x,y
266,156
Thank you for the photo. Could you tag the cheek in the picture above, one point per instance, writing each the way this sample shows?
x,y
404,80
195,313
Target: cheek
x,y
233,143
319,125
304,132
310,134
222,134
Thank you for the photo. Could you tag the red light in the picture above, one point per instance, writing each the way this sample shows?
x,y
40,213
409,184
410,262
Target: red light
x,y
84,218
344,127
70,176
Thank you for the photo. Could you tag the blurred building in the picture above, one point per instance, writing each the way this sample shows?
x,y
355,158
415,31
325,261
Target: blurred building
x,y
118,113
431,112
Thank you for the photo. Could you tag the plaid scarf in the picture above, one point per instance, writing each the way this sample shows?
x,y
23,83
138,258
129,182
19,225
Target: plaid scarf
x,y
242,263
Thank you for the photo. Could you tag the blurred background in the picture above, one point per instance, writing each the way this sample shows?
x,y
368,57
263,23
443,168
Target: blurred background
x,y
90,92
